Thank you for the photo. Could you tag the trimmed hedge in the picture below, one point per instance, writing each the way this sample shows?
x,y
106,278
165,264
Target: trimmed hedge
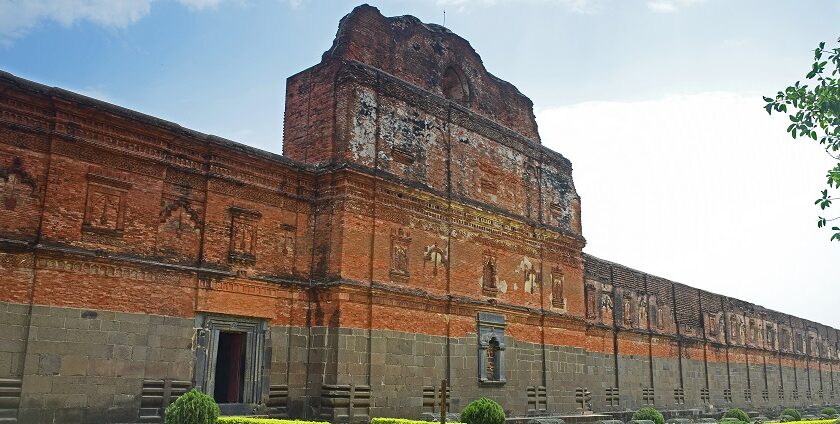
x,y
484,411
829,411
192,407
738,414
793,413
252,420
649,414
396,421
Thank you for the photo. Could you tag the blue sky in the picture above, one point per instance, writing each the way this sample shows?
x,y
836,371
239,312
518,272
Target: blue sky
x,y
657,103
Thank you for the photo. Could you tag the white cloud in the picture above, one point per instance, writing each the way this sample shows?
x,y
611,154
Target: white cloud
x,y
576,6
706,190
669,6
19,17
200,4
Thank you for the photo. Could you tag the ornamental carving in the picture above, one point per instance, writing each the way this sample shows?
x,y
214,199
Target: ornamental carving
x,y
179,217
15,182
400,242
489,279
530,275
607,305
627,311
643,311
557,280
591,295
435,257
243,235
286,240
105,205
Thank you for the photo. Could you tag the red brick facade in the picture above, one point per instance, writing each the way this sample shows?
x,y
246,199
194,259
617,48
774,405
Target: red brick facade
x,y
413,193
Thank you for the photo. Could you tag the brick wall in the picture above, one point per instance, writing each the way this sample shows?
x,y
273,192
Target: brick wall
x,y
400,211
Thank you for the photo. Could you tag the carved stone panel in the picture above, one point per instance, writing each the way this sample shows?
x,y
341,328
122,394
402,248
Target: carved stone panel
x,y
530,275
16,185
489,277
105,205
557,280
591,295
243,235
179,228
400,243
435,258
627,313
491,348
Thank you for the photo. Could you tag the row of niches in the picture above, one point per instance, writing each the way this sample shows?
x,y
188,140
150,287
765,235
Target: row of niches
x,y
110,204
611,305
635,310
742,329
436,259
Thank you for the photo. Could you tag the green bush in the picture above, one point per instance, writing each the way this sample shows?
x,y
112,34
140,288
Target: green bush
x,y
829,411
793,413
737,414
786,419
484,411
192,407
251,420
649,414
394,421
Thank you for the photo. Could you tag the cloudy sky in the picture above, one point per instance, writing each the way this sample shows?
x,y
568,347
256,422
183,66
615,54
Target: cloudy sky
x,y
657,104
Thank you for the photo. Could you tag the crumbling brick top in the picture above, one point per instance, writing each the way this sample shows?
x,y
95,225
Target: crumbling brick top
x,y
435,59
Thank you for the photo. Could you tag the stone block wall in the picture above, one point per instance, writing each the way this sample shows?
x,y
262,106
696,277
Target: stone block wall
x,y
83,365
414,225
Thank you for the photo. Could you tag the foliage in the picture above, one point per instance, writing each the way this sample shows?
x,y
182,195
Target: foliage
x,y
192,407
815,114
829,411
792,421
787,419
649,414
793,413
737,414
396,421
483,411
252,420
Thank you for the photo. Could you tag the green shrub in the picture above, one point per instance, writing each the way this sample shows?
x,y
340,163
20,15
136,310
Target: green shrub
x,y
737,414
192,407
484,411
385,421
649,414
829,411
793,413
786,419
251,420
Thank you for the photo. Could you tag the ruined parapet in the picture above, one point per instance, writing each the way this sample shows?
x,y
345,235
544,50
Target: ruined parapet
x,y
413,101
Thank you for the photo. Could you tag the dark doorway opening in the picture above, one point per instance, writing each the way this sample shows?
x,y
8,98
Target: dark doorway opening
x,y
230,368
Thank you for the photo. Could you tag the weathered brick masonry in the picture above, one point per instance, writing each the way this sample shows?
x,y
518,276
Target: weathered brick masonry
x,y
414,229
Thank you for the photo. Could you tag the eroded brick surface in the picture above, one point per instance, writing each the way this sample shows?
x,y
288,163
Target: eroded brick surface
x,y
413,195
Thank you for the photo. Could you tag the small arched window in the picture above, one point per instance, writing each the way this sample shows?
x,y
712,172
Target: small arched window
x,y
455,87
